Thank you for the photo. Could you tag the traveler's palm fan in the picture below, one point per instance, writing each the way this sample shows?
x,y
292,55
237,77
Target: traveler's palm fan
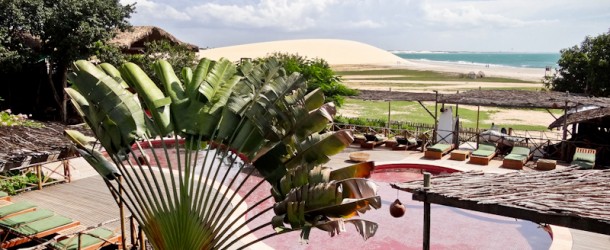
x,y
218,129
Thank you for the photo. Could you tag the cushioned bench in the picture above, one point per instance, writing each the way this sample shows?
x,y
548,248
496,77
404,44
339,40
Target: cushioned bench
x,y
584,158
517,158
40,228
483,154
89,240
437,150
23,218
16,208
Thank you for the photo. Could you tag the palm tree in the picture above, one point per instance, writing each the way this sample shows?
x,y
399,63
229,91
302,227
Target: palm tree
x,y
229,123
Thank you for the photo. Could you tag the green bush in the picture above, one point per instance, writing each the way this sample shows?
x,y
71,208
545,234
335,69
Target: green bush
x,y
7,118
318,74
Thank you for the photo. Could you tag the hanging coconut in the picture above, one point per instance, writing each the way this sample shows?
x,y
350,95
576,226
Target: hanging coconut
x,y
397,209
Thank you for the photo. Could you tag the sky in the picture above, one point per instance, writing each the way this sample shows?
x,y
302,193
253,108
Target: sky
x,y
435,25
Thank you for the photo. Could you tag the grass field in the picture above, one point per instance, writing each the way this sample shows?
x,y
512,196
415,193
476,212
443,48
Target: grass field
x,y
414,112
418,75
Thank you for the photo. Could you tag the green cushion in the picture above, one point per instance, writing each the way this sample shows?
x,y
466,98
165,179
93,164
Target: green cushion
x,y
515,157
43,225
85,239
15,207
487,147
583,164
520,151
3,194
483,152
26,217
584,157
440,147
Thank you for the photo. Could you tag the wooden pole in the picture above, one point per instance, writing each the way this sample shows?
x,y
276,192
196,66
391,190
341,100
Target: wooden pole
x,y
426,212
564,146
477,131
435,117
389,115
122,212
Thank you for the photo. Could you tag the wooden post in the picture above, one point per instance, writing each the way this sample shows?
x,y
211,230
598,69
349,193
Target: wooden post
x,y
389,114
426,212
39,175
122,211
477,131
132,229
564,146
435,118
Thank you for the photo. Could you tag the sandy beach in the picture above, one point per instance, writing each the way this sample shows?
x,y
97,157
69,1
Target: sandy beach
x,y
345,54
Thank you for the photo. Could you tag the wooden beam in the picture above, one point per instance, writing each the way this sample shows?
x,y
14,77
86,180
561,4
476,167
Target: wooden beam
x,y
427,110
553,115
564,220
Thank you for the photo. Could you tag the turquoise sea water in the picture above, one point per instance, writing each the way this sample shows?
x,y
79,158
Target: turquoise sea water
x,y
527,60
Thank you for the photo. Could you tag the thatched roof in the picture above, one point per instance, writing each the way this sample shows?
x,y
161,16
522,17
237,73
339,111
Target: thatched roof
x,y
571,198
133,40
590,116
494,98
395,96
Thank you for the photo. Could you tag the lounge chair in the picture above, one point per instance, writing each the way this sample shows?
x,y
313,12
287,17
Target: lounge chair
x,y
438,150
16,208
93,239
37,229
517,158
403,143
24,218
483,154
584,158
373,141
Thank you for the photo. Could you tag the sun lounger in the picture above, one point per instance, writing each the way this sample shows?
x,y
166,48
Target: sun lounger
x,y
373,141
517,158
584,158
405,143
93,239
16,209
4,196
483,154
24,218
438,150
36,229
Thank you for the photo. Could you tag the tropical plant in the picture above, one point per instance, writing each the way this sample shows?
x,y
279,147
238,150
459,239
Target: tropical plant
x,y
585,68
237,123
318,74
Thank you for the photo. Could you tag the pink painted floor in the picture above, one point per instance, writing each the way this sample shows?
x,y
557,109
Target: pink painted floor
x,y
451,228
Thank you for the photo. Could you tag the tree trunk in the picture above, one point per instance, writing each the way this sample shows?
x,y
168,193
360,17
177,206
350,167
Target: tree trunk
x,y
59,95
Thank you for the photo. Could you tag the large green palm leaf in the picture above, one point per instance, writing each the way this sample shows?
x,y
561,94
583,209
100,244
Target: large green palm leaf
x,y
253,115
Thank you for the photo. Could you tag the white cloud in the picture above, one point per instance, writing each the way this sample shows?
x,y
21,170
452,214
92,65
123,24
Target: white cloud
x,y
148,10
283,14
471,16
364,24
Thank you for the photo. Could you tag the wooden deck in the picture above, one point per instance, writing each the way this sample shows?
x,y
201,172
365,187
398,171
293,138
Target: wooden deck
x,y
88,200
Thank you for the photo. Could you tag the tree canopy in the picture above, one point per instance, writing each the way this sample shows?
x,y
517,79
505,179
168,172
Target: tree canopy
x,y
57,32
585,68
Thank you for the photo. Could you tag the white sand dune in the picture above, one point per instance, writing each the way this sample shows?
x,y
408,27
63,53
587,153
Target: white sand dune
x,y
345,53
332,50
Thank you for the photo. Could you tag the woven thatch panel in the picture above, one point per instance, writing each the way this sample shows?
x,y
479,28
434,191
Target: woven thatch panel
x,y
494,98
580,117
562,196
395,95
137,35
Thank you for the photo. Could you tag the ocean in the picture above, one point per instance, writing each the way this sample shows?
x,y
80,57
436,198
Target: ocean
x,y
526,60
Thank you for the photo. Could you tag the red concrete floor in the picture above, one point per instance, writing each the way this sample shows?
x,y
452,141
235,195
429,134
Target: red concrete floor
x,y
451,228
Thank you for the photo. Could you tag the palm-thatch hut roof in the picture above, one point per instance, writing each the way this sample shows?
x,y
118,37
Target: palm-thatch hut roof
x,y
598,116
494,98
568,197
132,41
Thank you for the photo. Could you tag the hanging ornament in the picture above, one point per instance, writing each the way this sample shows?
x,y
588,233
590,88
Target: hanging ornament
x,y
397,209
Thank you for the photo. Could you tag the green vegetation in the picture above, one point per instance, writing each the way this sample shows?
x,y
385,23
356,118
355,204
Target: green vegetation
x,y
413,112
421,75
318,74
178,56
256,112
14,182
585,68
52,34
7,118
